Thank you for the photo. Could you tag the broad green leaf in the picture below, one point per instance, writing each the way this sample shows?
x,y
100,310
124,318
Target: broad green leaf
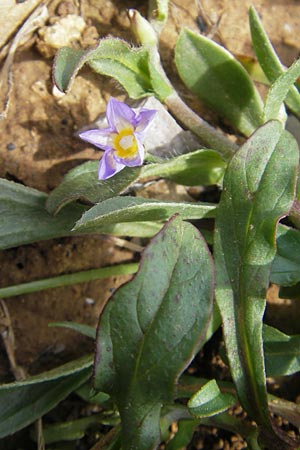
x,y
115,58
82,183
151,327
133,209
279,90
25,218
282,352
202,167
259,187
209,401
286,265
25,401
219,80
268,59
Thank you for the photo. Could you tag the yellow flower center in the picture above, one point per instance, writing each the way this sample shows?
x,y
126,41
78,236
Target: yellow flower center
x,y
125,144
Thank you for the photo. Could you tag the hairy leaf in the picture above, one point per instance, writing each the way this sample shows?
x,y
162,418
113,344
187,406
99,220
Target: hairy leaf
x,y
202,167
282,352
115,58
132,209
279,90
219,80
25,218
209,401
259,187
151,327
82,183
25,401
268,59
286,265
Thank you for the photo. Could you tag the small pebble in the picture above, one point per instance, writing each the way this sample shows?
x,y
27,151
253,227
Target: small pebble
x,y
10,146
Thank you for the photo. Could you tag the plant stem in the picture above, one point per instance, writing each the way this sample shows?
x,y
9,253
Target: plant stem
x,y
66,280
207,134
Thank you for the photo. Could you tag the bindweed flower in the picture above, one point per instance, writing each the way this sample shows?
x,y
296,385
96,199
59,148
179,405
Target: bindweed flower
x,y
122,141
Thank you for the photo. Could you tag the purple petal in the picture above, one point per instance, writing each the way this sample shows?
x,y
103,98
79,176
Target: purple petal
x,y
119,115
144,119
109,166
98,137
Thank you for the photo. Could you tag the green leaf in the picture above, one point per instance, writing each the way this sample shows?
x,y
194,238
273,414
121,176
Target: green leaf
x,y
202,167
268,59
25,218
282,352
259,187
219,80
81,328
82,183
209,401
115,58
151,327
286,265
25,401
132,209
70,430
279,90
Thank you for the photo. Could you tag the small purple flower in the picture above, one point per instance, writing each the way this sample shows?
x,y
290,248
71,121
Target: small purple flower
x,y
122,141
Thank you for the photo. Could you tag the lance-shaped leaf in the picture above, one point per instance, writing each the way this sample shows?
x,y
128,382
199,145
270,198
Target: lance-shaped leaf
x,y
25,218
259,187
130,66
219,80
286,265
24,402
151,327
82,183
279,90
133,209
202,167
268,59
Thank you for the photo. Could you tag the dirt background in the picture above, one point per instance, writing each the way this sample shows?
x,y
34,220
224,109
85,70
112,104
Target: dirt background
x,y
38,148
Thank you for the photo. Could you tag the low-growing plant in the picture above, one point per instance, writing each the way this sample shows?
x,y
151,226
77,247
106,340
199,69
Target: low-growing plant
x,y
190,281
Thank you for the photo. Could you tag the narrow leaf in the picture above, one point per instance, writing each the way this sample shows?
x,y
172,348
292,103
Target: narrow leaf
x,y
209,401
279,90
132,209
268,59
282,352
219,80
202,167
25,401
82,183
150,329
250,207
81,328
25,218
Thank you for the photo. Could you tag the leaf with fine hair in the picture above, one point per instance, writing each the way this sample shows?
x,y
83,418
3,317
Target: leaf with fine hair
x,y
259,188
269,60
131,67
23,402
151,327
219,80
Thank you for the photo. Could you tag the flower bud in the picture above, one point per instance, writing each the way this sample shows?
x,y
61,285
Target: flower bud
x,y
142,29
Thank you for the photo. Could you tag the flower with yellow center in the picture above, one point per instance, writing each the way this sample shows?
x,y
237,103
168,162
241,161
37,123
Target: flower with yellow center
x,y
122,141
